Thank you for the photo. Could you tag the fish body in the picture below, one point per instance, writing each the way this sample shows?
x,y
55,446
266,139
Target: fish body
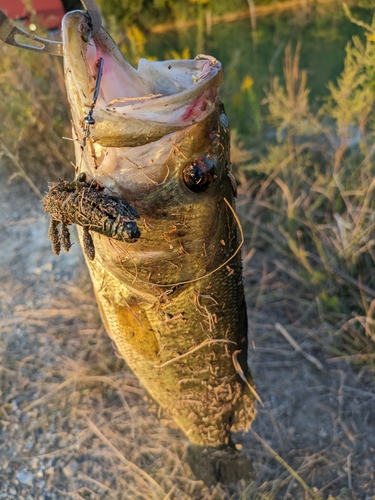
x,y
172,301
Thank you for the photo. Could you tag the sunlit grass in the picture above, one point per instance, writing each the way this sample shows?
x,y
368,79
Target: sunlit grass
x,y
34,114
313,190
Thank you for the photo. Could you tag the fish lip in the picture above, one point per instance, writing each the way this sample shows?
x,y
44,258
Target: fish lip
x,y
184,92
74,51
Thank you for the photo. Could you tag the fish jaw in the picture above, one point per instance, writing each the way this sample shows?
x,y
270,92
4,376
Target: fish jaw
x,y
134,106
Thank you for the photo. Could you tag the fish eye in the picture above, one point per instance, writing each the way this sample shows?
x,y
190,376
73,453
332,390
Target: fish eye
x,y
81,177
200,175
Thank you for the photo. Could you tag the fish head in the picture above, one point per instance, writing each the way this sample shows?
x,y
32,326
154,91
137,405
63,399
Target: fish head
x,y
159,139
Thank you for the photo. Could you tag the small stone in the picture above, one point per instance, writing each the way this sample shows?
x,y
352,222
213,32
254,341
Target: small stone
x,y
50,471
63,443
70,469
25,477
29,445
39,474
34,462
12,491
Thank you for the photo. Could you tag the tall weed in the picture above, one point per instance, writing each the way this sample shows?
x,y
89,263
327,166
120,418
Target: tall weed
x,y
34,114
314,189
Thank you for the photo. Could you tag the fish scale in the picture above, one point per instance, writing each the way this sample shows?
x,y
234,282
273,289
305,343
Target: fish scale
x,y
199,390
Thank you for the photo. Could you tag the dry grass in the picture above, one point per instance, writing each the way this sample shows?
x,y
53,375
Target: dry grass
x,y
73,416
34,114
310,196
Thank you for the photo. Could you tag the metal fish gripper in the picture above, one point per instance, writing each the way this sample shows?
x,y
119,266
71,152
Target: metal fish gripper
x,y
9,32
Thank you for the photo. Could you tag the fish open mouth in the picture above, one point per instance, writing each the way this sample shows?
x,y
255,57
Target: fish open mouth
x,y
135,106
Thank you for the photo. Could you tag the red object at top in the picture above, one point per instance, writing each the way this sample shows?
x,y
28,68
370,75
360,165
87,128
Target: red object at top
x,y
50,12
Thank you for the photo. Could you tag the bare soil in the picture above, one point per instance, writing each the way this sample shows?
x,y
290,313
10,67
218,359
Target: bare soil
x,y
74,422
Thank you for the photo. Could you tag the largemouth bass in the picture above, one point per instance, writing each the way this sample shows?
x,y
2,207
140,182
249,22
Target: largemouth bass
x,y
172,301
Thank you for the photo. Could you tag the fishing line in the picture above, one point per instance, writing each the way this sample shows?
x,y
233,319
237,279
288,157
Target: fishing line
x,y
224,263
211,272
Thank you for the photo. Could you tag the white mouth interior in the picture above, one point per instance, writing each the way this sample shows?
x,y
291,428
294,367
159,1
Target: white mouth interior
x,y
172,91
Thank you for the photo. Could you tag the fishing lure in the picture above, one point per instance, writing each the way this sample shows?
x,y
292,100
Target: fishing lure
x,y
83,202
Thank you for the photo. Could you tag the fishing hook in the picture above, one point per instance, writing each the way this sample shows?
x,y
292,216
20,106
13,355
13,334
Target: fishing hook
x,y
89,119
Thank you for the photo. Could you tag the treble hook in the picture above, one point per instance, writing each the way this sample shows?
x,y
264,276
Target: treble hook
x,y
8,32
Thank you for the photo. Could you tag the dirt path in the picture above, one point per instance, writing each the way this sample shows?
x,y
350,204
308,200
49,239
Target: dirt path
x,y
73,420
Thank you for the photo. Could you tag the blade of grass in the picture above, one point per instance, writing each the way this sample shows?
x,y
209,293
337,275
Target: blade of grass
x,y
140,472
281,461
22,171
297,347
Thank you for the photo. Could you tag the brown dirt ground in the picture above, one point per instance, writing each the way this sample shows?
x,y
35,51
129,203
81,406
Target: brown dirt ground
x,y
73,420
